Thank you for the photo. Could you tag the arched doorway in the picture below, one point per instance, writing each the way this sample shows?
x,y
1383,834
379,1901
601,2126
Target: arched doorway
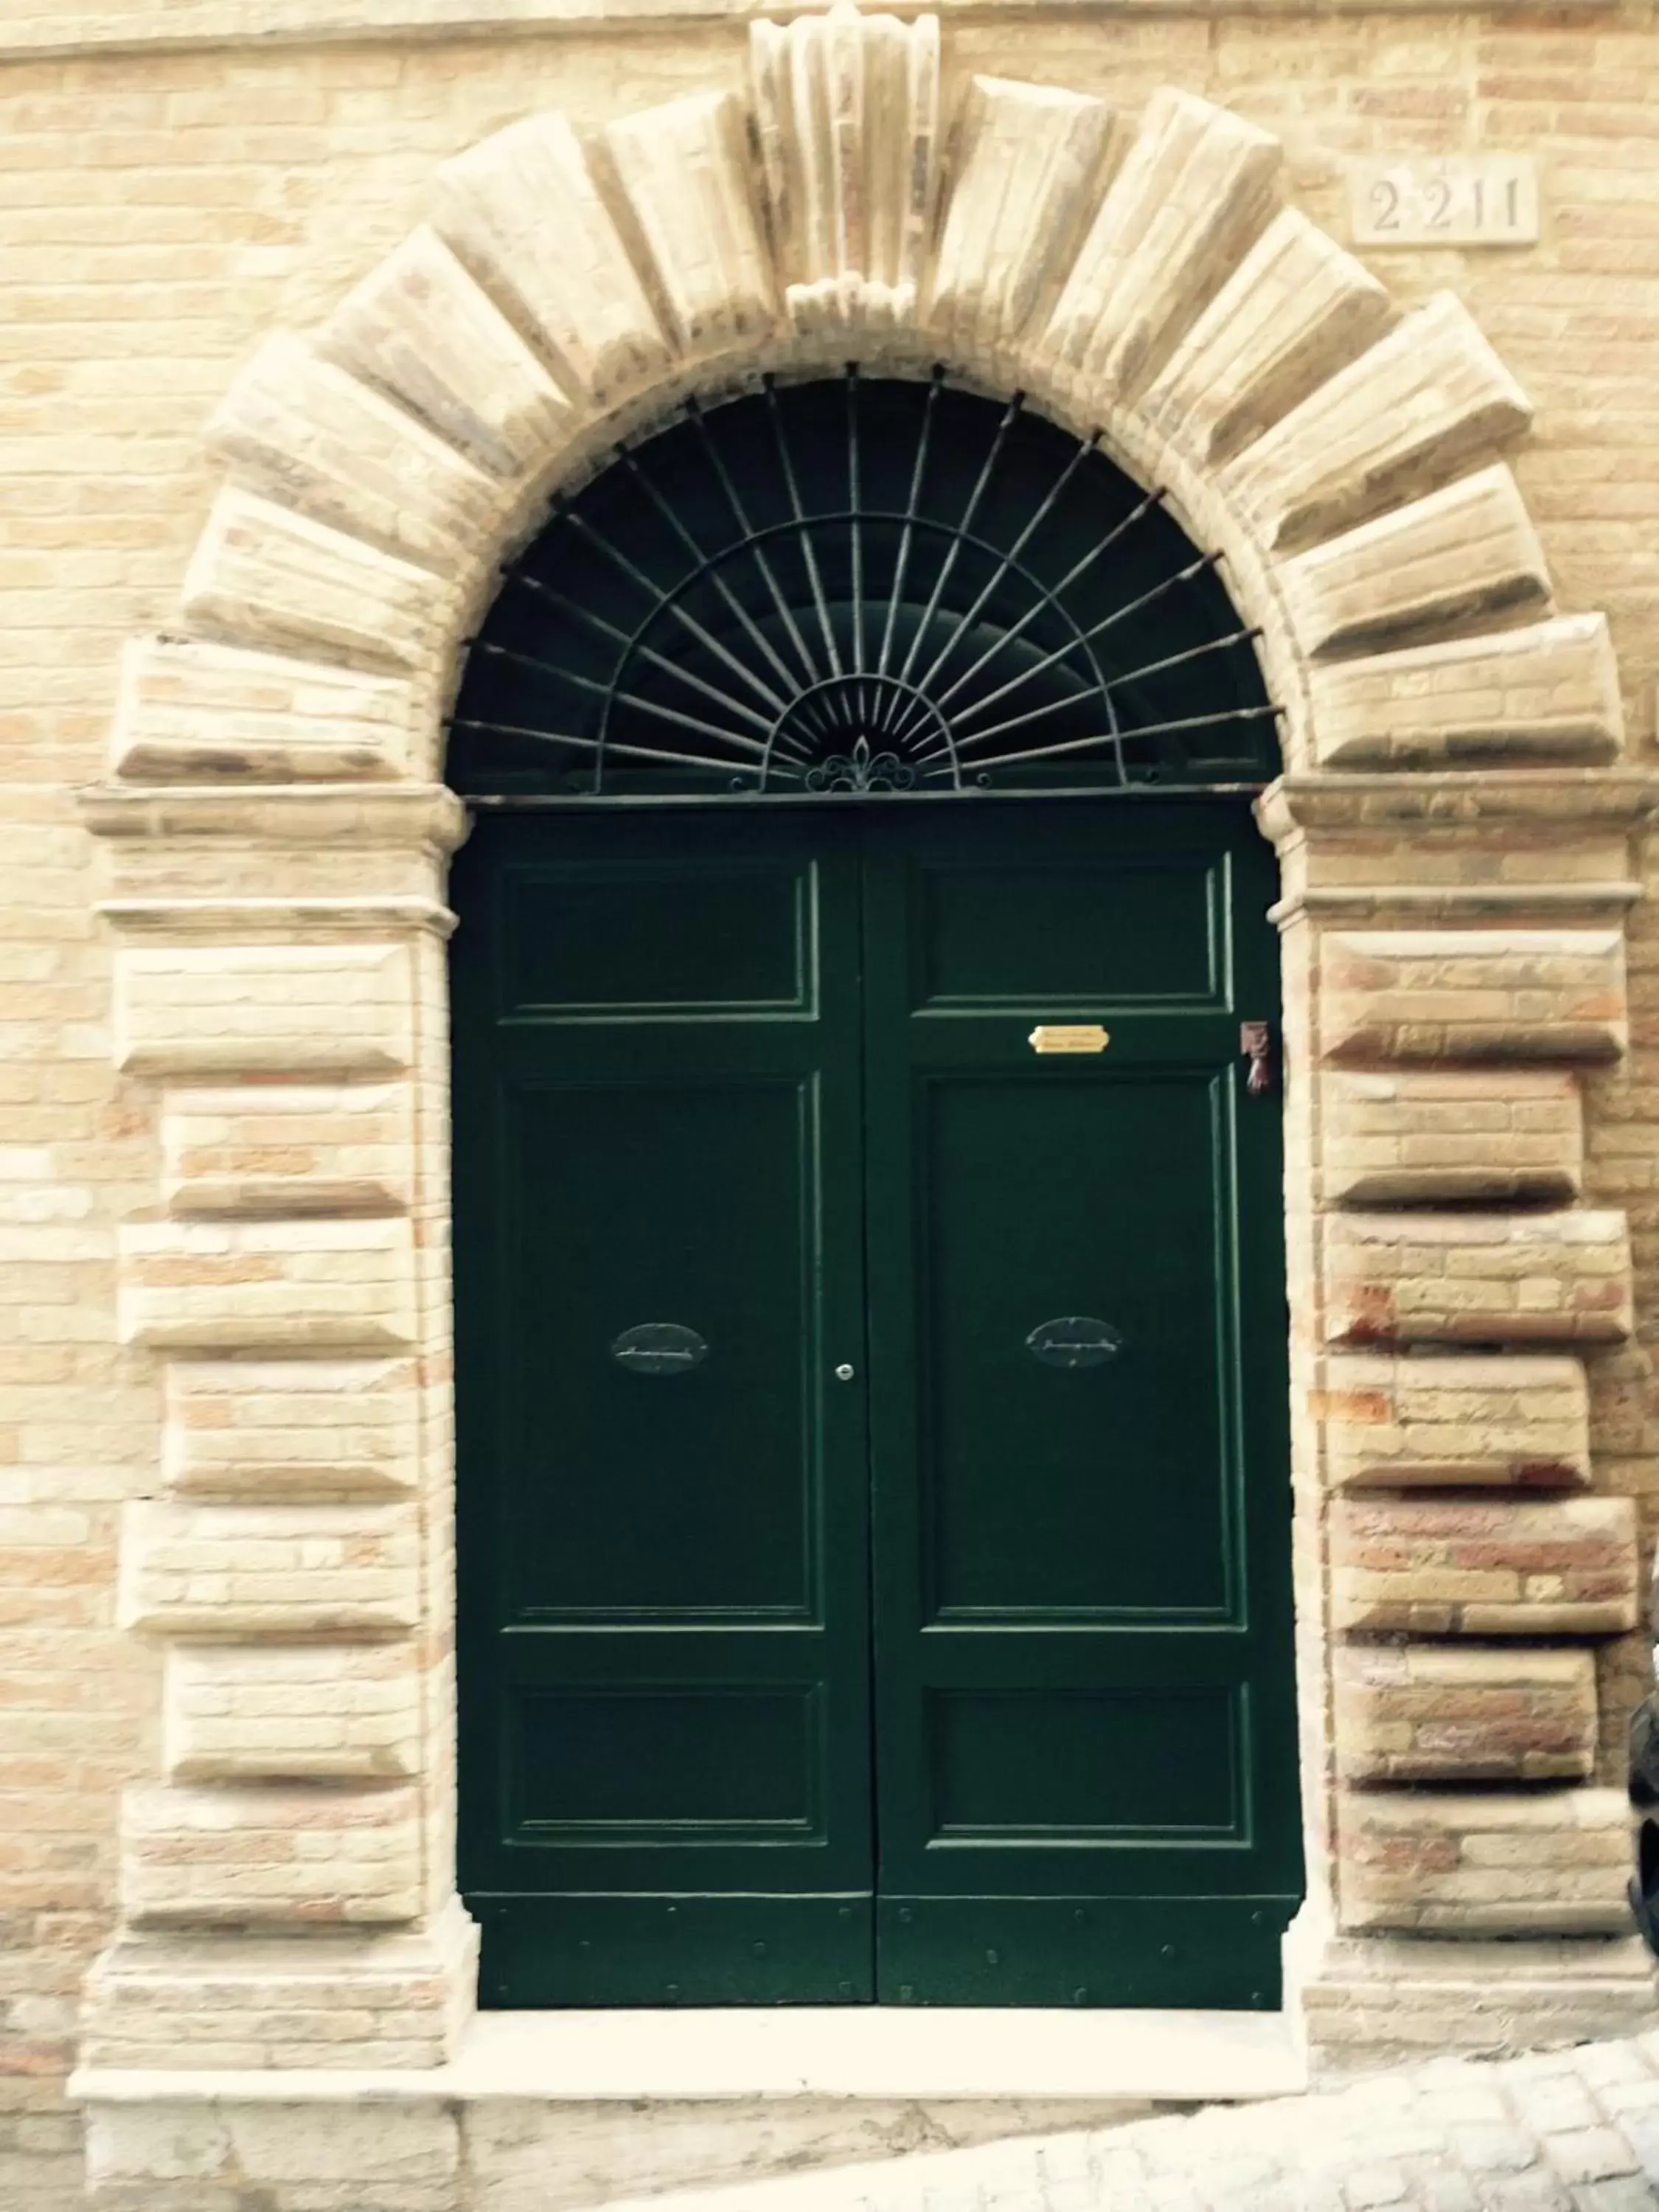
x,y
872,1471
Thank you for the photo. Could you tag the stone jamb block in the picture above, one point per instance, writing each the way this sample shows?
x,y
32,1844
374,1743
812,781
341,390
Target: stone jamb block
x,y
283,1429
274,1287
1434,1712
292,1712
1437,1135
1484,1566
1497,1279
1487,1420
1497,1863
272,1856
210,1012
234,1571
1473,994
275,1148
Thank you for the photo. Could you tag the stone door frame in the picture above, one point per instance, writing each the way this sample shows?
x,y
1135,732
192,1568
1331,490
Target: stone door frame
x,y
1455,836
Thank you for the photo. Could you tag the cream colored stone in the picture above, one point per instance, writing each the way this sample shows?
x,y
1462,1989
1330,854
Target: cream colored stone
x,y
286,1428
1406,414
1296,309
188,710
1488,1420
281,1712
234,1571
1459,555
523,213
847,113
266,1148
1433,1136
419,329
1428,1712
271,1857
1481,994
1029,164
1190,195
1484,1566
202,1011
1546,692
1516,1279
267,1285
1495,1863
263,575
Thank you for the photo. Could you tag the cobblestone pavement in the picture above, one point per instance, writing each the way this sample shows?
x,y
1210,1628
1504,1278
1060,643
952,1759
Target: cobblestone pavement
x,y
1567,2131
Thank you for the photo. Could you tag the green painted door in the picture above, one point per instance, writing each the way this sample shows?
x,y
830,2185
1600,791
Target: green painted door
x,y
874,1476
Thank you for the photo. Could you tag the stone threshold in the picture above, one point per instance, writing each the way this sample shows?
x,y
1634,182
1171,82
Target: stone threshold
x,y
786,2051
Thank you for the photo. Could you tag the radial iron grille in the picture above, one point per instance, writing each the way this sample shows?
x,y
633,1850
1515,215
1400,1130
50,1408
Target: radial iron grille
x,y
860,586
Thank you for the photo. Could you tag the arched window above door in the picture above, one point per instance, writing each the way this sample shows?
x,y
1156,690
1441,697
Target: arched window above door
x,y
857,585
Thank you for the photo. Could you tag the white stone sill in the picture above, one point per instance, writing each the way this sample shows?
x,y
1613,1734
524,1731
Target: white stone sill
x,y
842,2051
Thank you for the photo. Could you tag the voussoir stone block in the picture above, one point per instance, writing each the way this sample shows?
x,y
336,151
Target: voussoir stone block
x,y
524,214
1455,556
264,575
1190,194
686,169
1025,174
1514,1279
267,1285
1488,1420
1396,1136
314,1570
1480,994
1430,1712
846,113
192,1011
302,1712
281,1430
1491,1863
281,1148
191,712
1296,308
1397,421
1548,691
1484,1566
271,1857
420,329
316,438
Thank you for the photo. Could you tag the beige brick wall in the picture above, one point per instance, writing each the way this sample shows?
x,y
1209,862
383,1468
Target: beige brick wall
x,y
158,215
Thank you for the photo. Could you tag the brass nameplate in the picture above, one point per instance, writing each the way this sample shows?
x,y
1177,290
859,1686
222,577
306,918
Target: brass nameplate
x,y
1069,1037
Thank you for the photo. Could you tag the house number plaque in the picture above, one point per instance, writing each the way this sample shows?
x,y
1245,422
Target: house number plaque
x,y
1451,199
1068,1036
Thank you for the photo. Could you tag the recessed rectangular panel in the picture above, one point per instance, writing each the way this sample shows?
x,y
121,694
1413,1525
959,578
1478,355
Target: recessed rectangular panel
x,y
663,937
1077,1457
661,1292
1068,1763
621,1762
1047,935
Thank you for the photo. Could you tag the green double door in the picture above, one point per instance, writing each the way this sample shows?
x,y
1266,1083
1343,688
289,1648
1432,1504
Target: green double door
x,y
873,1473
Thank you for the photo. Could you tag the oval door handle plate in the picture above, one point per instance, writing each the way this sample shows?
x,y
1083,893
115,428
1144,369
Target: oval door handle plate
x,y
659,1347
1074,1340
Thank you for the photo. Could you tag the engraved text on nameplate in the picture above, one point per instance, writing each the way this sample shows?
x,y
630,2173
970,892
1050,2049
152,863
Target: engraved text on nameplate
x,y
1451,199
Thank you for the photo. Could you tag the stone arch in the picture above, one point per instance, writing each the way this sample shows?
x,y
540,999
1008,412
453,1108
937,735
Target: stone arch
x,y
1455,875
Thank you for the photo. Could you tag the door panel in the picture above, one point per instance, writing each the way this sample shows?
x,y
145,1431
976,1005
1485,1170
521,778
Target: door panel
x,y
663,1493
1080,1481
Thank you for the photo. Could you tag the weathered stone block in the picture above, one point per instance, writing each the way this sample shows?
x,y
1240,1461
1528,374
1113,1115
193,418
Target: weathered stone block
x,y
1477,1277
267,1285
1456,556
1549,692
264,575
418,328
1484,994
1425,1712
1296,308
1495,1863
206,1010
1397,421
188,711
1485,1566
1024,180
299,2155
279,1148
281,1430
686,170
271,1857
239,1571
291,1712
1400,1136
1490,1419
1190,194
